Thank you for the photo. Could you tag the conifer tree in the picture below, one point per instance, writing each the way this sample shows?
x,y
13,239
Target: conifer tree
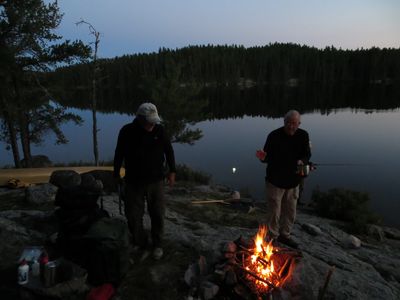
x,y
29,47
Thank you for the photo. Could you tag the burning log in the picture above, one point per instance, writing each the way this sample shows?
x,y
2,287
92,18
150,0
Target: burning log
x,y
285,268
263,261
257,277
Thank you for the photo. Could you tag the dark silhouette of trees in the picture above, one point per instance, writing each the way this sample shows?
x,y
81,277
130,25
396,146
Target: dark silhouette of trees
x,y
225,81
290,64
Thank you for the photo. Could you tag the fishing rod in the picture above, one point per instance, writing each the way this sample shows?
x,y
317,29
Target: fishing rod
x,y
304,170
335,164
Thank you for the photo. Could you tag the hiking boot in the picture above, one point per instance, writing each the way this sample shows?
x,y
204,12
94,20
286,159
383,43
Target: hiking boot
x,y
287,241
158,253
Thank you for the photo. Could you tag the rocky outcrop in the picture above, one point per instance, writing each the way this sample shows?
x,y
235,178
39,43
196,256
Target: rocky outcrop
x,y
364,267
39,194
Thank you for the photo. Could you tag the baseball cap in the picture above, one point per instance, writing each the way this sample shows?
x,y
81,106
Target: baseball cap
x,y
149,111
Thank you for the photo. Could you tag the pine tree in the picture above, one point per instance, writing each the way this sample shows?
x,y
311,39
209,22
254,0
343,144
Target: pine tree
x,y
29,46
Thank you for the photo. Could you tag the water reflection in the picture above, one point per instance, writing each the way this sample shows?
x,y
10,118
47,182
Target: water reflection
x,y
344,137
348,125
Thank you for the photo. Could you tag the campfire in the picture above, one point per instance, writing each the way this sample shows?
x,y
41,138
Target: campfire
x,y
265,267
248,270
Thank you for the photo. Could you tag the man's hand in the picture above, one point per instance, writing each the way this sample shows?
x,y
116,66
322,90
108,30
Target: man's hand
x,y
171,179
261,154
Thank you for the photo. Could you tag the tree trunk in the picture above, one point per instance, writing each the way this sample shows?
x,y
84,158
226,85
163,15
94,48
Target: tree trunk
x,y
94,107
24,126
14,144
96,34
25,141
12,133
94,100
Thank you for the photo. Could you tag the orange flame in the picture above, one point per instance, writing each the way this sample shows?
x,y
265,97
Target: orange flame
x,y
260,265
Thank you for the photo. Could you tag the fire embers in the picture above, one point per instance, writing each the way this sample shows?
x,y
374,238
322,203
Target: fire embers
x,y
247,270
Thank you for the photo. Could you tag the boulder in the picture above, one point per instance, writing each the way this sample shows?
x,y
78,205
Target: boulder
x,y
90,183
311,229
65,178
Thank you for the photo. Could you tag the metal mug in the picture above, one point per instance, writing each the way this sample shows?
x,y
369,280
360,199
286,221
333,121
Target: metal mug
x,y
50,274
303,170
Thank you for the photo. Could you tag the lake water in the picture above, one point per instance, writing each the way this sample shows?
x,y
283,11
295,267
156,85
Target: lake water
x,y
369,141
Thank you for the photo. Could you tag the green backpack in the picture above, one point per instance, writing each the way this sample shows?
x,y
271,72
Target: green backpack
x,y
108,240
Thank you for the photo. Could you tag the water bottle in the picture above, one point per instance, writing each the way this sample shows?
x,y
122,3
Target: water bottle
x,y
35,268
23,273
43,260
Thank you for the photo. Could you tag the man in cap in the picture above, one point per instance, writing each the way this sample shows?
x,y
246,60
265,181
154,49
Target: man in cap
x,y
285,149
144,146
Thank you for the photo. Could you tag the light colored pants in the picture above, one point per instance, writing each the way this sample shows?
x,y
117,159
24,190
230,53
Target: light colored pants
x,y
282,209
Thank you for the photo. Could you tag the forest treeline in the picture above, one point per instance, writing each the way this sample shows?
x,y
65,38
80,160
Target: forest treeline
x,y
129,76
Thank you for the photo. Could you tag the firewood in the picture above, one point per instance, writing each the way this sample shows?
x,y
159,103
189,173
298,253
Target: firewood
x,y
283,268
270,284
246,249
209,201
294,253
263,261
225,201
323,289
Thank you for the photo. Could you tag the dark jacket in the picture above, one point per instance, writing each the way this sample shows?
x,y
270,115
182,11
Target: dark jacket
x,y
143,153
283,152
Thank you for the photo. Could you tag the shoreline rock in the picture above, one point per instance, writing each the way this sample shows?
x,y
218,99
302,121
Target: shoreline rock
x,y
370,270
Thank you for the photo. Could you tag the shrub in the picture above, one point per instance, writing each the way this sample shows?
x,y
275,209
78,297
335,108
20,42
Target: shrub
x,y
184,173
346,205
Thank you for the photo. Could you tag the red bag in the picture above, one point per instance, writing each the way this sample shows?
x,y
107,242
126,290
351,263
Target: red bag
x,y
102,292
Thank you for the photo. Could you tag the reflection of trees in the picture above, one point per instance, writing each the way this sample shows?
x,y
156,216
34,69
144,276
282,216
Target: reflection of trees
x,y
274,101
182,105
178,106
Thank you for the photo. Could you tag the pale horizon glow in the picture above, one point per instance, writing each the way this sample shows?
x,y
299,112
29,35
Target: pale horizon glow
x,y
133,26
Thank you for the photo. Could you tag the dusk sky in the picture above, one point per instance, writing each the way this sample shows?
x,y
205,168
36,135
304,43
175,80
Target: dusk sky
x,y
132,26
